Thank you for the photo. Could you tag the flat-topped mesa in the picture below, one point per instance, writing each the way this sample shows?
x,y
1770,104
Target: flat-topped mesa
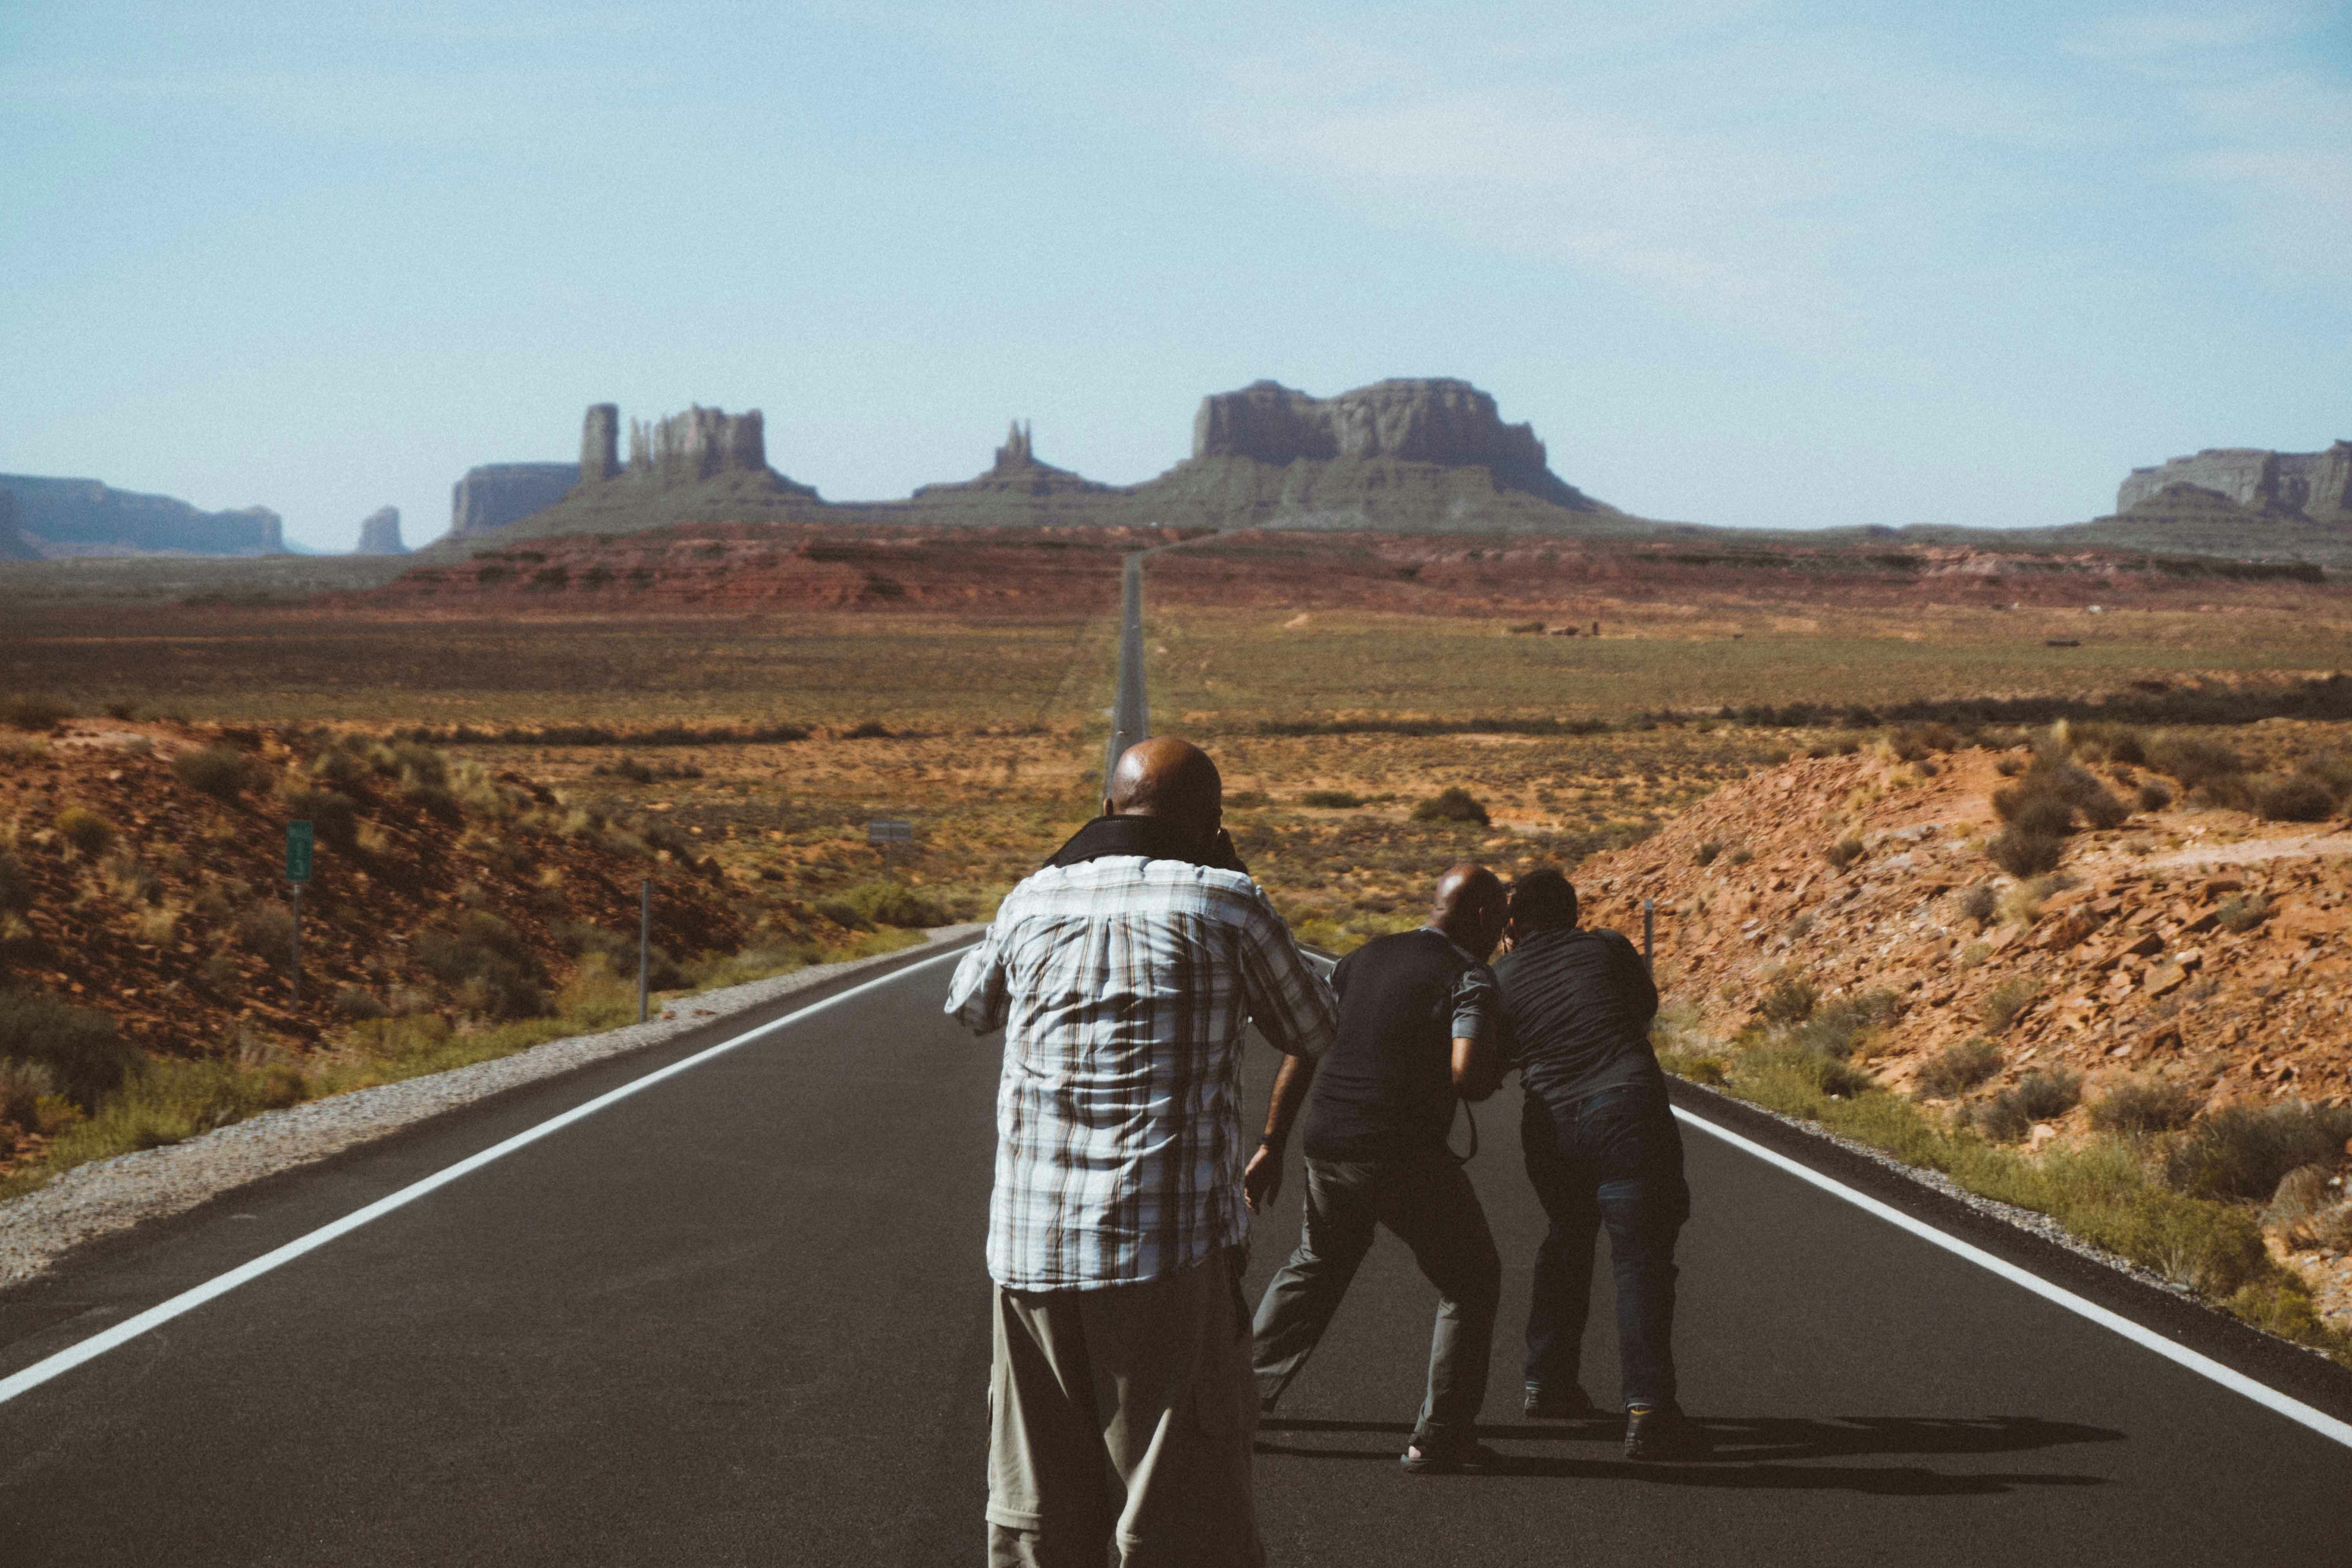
x,y
696,445
380,534
1438,420
2314,486
496,494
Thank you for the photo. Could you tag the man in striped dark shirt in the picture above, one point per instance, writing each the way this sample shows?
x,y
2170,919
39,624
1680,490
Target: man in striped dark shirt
x,y
1122,1406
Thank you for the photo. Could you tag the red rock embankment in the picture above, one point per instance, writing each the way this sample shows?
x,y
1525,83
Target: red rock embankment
x,y
2131,964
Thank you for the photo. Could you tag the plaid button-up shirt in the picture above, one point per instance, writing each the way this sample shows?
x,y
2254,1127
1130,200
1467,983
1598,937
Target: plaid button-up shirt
x,y
1122,986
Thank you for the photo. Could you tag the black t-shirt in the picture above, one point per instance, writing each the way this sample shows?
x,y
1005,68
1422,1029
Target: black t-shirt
x,y
1385,1089
1579,1004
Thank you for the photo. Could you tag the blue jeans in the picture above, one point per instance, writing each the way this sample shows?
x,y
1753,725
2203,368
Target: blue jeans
x,y
1612,1160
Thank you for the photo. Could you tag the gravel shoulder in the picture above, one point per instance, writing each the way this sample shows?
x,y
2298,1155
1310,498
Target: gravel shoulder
x,y
110,1195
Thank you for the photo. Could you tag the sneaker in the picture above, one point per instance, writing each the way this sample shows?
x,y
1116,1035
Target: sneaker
x,y
1662,1432
1570,1404
1449,1459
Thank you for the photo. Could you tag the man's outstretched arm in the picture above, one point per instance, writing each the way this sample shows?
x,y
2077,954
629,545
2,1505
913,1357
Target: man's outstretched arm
x,y
1261,1179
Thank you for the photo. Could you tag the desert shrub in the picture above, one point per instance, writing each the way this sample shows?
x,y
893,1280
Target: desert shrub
x,y
332,816
2331,770
1837,1026
2052,793
1332,799
33,711
617,952
2244,1152
415,765
2005,1001
355,1003
2153,796
1451,803
871,730
2010,767
122,710
2112,743
266,929
16,885
85,830
1845,852
2193,761
1913,742
85,1056
1999,1117
2024,853
2296,799
2301,1196
894,904
2007,1116
23,1086
221,771
1740,855
1705,853
487,963
2242,913
1978,902
1957,1069
2144,1105
2039,815
1785,1076
1788,1001
2046,1095
1802,926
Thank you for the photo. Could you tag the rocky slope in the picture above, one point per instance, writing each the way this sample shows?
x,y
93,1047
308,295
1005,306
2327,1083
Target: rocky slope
x,y
2202,949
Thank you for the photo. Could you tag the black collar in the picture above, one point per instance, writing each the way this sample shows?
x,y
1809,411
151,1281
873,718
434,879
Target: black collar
x,y
1149,837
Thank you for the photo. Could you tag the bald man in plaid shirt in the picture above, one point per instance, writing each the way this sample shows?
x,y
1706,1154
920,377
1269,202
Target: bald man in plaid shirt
x,y
1122,1405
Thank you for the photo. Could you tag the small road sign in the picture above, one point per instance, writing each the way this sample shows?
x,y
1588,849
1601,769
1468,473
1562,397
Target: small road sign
x,y
297,851
889,833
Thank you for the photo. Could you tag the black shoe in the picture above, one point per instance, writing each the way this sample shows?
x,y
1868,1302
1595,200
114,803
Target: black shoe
x,y
1450,1459
1662,1432
1570,1404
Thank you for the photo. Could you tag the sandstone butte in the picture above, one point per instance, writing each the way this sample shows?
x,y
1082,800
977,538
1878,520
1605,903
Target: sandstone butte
x,y
2134,976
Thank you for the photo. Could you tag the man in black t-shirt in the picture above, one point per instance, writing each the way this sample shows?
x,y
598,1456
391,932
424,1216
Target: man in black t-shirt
x,y
1419,1027
1602,1150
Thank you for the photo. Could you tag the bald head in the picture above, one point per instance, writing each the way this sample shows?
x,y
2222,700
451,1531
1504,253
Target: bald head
x,y
1470,907
1169,779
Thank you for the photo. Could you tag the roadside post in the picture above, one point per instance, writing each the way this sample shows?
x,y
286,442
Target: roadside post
x,y
644,941
882,835
298,839
1649,933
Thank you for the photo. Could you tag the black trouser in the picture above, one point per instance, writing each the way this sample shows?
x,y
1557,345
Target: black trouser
x,y
1613,1160
1429,1204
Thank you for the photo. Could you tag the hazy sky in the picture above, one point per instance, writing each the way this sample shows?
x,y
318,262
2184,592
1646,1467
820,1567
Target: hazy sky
x,y
1756,264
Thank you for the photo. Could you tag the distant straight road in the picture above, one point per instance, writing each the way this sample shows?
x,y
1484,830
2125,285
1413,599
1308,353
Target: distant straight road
x,y
741,1317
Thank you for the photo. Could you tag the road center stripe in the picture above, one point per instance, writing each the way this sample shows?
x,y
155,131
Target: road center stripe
x,y
2205,1366
155,1317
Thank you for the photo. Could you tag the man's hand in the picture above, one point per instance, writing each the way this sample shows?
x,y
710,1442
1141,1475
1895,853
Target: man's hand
x,y
1262,1178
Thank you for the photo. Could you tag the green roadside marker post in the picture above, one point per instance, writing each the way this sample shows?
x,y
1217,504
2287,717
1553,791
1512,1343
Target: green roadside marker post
x,y
299,840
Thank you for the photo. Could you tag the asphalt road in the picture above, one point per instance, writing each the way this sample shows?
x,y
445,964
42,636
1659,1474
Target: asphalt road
x,y
740,1317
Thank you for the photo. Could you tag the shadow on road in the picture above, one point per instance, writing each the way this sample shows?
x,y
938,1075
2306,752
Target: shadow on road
x,y
1770,1453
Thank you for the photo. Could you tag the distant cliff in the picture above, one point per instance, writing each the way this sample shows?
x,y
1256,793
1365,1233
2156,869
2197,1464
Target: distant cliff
x,y
380,534
14,545
1014,481
2314,486
83,517
496,494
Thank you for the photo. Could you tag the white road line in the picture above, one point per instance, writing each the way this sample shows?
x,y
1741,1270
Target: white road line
x,y
2294,1410
155,1317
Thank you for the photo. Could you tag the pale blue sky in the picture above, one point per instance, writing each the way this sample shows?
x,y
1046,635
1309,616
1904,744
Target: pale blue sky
x,y
1744,263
